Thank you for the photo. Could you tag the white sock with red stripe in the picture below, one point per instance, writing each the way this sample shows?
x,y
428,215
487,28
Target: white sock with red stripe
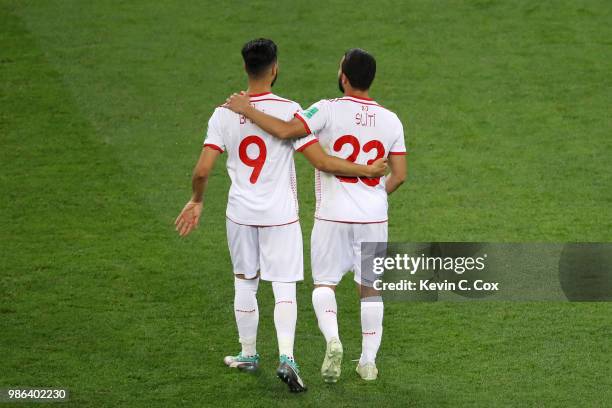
x,y
372,310
247,313
285,316
326,309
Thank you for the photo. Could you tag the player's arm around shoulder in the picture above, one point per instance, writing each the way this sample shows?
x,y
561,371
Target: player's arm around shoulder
x,y
341,167
240,103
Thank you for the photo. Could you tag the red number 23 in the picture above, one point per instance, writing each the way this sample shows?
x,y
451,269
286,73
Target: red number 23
x,y
369,146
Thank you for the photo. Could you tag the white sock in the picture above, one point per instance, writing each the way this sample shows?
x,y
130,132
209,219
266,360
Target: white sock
x,y
285,316
247,313
372,309
326,309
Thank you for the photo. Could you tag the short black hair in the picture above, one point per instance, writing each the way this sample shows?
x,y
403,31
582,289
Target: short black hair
x,y
258,55
359,66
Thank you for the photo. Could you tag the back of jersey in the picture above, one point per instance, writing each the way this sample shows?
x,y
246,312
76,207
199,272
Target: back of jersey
x,y
260,166
361,131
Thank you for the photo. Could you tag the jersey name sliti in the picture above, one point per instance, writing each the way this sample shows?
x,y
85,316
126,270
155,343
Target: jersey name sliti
x,y
359,130
261,168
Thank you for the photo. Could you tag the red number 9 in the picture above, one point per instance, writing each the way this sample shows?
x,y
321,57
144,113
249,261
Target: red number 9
x,y
257,162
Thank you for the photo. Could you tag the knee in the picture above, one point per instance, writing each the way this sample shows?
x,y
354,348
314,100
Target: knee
x,y
250,285
284,291
369,292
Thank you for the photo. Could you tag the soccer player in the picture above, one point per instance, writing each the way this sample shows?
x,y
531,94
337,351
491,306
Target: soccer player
x,y
349,210
264,236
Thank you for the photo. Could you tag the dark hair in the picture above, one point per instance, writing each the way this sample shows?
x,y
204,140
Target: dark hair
x,y
359,67
258,55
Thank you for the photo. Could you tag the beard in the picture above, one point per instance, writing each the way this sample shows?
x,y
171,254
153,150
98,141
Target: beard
x,y
274,80
340,85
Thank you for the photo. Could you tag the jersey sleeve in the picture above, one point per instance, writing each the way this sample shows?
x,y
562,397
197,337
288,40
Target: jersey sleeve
x,y
316,117
399,145
214,133
303,142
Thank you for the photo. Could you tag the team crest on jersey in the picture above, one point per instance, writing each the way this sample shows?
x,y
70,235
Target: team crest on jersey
x,y
310,112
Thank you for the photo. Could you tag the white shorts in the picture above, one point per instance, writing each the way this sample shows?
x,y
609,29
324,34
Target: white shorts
x,y
335,249
276,252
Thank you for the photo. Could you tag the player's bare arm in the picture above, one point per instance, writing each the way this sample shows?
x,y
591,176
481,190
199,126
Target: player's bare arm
x,y
341,167
240,103
397,164
189,217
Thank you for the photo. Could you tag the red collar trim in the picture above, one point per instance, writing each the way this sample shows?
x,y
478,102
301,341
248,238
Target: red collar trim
x,y
360,97
259,94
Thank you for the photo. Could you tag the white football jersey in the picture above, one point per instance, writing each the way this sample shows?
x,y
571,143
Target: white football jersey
x,y
359,130
260,166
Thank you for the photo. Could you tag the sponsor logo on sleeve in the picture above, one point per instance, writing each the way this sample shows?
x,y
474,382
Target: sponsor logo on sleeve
x,y
309,113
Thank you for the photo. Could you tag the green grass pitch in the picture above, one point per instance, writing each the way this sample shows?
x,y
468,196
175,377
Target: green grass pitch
x,y
103,107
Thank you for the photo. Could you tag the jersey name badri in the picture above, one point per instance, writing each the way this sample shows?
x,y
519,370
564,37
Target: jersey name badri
x,y
264,189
